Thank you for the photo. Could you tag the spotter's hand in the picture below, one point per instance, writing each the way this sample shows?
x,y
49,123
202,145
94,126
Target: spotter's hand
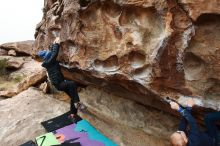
x,y
190,102
174,105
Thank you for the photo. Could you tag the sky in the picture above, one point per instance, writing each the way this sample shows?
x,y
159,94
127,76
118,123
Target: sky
x,y
18,19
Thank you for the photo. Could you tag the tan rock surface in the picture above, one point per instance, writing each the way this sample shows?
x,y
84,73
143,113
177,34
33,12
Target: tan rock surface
x,y
25,47
21,116
12,53
202,58
141,46
47,87
13,62
196,8
44,87
125,116
3,52
124,135
7,93
31,80
29,74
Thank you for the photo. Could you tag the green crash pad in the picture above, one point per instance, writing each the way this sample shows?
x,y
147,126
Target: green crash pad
x,y
47,140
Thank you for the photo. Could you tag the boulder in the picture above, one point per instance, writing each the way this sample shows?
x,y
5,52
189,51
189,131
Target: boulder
x,y
8,93
21,116
33,79
148,53
13,62
3,52
23,47
12,53
13,82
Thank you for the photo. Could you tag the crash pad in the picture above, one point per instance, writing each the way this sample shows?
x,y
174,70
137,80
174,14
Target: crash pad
x,y
48,139
84,133
29,143
58,122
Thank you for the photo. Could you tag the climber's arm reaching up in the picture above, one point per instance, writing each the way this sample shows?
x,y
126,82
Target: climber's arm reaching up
x,y
54,50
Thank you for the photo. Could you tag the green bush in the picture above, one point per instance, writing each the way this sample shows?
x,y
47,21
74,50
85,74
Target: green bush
x,y
3,65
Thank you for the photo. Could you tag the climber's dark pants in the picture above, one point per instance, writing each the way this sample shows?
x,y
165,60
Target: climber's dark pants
x,y
70,87
212,129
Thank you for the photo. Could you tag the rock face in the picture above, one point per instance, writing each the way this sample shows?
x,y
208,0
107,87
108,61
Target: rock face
x,y
148,48
22,114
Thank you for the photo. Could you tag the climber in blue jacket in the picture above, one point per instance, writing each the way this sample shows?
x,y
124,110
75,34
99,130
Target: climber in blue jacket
x,y
190,136
57,79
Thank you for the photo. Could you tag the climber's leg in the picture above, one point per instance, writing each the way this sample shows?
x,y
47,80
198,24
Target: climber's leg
x,y
71,89
212,129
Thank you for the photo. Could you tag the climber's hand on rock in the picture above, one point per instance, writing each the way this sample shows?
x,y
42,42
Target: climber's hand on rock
x,y
190,102
174,105
57,40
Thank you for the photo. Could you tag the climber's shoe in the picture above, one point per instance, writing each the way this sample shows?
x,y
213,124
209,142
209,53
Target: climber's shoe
x,y
81,107
73,118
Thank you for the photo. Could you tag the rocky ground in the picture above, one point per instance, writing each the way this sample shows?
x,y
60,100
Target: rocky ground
x,y
21,115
